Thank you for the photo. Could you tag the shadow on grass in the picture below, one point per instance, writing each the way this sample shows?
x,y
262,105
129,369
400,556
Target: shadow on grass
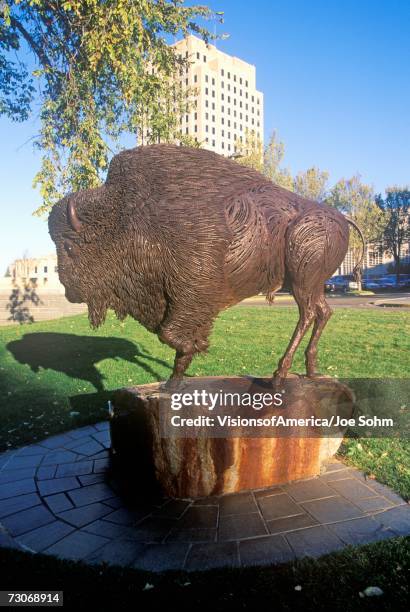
x,y
77,356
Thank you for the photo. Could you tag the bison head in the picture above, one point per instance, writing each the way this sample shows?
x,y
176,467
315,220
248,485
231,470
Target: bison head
x,y
76,226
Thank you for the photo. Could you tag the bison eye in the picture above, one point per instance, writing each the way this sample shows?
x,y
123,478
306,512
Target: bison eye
x,y
68,248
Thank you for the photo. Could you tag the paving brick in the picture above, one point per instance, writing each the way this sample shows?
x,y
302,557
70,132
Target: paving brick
x,y
241,503
161,557
313,542
23,462
114,502
192,535
6,541
332,509
291,523
90,448
14,475
46,472
111,530
103,426
265,551
79,517
123,516
397,519
104,454
269,491
76,545
57,485
81,432
76,442
18,487
374,503
306,490
386,492
42,537
153,529
5,458
199,516
238,526
21,502
90,494
121,553
89,479
33,449
174,508
100,465
58,503
78,468
352,489
209,556
278,506
64,456
361,531
103,437
56,441
207,501
333,465
27,520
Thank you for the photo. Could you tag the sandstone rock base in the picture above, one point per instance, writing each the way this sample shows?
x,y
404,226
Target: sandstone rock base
x,y
202,466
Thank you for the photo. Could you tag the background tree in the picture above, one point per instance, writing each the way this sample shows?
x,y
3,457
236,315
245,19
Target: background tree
x,y
249,150
272,160
396,208
99,70
311,184
357,200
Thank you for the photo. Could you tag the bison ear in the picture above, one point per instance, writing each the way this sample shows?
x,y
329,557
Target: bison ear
x,y
73,217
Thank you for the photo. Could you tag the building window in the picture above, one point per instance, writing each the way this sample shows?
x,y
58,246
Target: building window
x,y
240,127
195,78
222,145
195,116
234,101
206,78
240,92
197,55
222,120
229,135
55,268
207,139
253,98
45,269
240,103
222,97
213,130
234,126
222,109
246,95
186,118
195,128
246,83
223,85
204,58
213,93
186,130
223,133
234,90
206,115
257,101
206,103
240,80
246,118
234,77
229,75
229,123
213,105
213,118
213,143
229,147
213,81
229,99
229,87
206,128
186,81
253,109
206,90
35,270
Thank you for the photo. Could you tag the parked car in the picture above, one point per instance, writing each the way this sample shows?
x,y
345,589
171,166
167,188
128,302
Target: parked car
x,y
337,284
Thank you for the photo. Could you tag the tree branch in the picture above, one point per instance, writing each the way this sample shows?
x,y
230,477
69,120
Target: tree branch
x,y
41,54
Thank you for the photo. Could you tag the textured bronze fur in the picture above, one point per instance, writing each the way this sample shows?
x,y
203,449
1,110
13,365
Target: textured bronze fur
x,y
177,234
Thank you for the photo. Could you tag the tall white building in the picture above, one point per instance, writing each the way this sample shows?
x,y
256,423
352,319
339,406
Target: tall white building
x,y
227,103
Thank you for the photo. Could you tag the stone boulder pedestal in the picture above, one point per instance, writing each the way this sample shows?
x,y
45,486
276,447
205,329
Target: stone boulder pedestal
x,y
197,461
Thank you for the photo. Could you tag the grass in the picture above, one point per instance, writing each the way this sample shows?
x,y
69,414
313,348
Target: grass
x,y
59,374
333,582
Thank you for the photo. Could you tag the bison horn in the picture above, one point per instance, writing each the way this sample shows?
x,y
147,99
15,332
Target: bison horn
x,y
72,216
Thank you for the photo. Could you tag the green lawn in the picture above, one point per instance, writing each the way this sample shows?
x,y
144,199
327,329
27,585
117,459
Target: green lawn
x,y
59,374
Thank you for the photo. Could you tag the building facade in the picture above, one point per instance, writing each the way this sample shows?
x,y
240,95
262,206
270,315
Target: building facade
x,y
227,103
42,272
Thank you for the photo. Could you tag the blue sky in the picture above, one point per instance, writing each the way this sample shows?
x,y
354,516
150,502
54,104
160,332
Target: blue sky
x,y
336,81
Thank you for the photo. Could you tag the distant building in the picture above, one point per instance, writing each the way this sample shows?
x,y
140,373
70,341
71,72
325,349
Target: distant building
x,y
41,271
227,103
377,261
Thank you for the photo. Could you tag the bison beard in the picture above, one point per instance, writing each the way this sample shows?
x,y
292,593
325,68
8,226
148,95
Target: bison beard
x,y
178,234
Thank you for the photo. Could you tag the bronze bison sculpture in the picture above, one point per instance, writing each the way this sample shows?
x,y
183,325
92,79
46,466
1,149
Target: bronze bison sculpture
x,y
177,234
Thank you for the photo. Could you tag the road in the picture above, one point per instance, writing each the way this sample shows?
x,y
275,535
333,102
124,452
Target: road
x,y
391,300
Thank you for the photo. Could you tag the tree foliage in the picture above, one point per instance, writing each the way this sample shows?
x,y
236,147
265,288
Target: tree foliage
x,y
396,208
102,68
272,163
311,183
249,150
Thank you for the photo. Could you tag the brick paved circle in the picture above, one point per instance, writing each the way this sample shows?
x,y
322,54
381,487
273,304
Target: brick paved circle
x,y
59,497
